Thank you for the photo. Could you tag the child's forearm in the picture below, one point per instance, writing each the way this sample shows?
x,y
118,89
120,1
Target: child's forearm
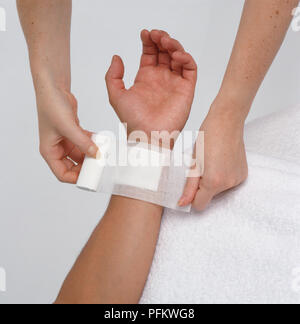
x,y
46,25
114,265
262,30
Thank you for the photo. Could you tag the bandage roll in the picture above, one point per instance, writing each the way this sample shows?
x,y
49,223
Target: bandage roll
x,y
92,169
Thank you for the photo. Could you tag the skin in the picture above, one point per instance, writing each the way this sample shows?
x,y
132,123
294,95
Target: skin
x,y
114,265
163,88
255,49
103,274
46,26
107,271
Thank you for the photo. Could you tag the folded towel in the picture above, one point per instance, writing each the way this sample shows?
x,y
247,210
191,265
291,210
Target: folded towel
x,y
276,135
245,248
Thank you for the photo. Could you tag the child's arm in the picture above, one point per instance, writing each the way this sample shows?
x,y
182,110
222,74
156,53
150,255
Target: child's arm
x,y
115,263
114,266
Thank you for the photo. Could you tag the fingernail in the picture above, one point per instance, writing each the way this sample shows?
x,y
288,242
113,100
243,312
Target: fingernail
x,y
181,202
98,155
92,151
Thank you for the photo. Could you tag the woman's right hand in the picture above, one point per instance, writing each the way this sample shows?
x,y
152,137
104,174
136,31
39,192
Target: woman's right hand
x,y
46,26
63,143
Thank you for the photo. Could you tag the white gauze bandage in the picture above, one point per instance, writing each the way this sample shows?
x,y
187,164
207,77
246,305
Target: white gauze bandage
x,y
135,170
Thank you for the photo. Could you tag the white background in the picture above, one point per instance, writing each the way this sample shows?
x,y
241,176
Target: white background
x,y
44,224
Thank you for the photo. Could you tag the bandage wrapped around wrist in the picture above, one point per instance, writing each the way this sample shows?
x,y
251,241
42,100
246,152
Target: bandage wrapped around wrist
x,y
135,170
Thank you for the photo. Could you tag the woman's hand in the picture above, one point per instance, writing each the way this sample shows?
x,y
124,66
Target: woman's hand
x,y
163,92
46,26
63,143
225,158
255,48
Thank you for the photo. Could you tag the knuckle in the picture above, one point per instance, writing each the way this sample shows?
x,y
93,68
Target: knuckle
x,y
60,178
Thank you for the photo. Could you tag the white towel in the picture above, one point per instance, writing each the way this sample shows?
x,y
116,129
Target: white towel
x,y
245,248
277,135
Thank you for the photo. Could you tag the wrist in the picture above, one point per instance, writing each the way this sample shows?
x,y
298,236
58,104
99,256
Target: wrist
x,y
48,88
46,75
225,122
161,139
231,109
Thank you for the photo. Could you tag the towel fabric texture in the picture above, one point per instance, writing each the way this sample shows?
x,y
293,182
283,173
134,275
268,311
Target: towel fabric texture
x,y
245,248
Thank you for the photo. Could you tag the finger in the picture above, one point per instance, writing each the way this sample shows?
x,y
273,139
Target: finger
x,y
188,64
68,163
150,50
172,45
203,198
77,169
72,166
73,152
67,147
189,192
114,79
164,58
62,169
76,155
81,139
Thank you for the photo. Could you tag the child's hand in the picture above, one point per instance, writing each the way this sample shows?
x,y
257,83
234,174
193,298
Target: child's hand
x,y
163,92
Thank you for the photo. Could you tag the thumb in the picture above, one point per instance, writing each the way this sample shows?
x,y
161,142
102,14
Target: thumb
x,y
82,139
114,78
190,191
203,198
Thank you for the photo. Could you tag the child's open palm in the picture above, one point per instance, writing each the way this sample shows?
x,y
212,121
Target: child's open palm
x,y
163,91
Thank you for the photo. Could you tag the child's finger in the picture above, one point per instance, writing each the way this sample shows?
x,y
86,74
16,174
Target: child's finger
x,y
164,58
150,50
188,65
172,45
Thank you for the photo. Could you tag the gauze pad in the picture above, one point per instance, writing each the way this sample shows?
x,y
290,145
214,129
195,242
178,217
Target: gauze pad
x,y
135,170
141,173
